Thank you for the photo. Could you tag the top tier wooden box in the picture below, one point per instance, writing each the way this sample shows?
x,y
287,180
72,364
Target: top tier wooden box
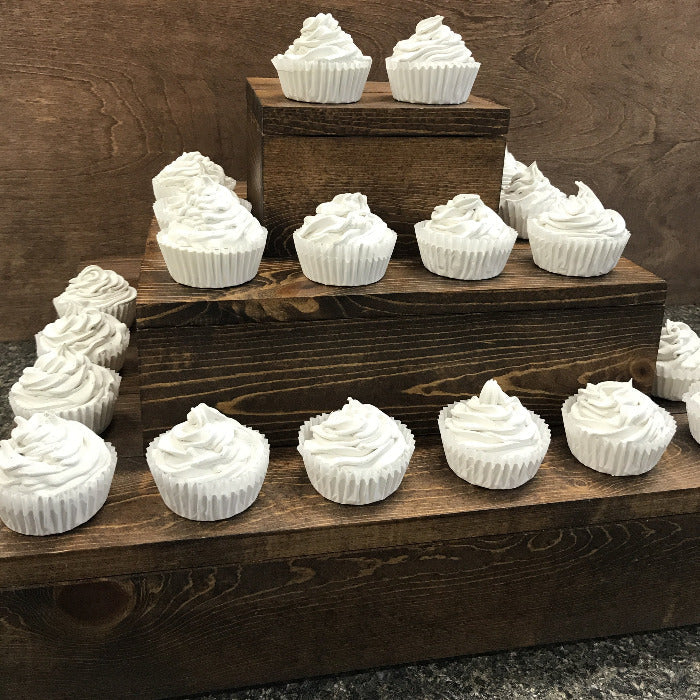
x,y
406,158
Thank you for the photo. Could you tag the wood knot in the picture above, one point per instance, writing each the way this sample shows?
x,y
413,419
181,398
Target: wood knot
x,y
96,603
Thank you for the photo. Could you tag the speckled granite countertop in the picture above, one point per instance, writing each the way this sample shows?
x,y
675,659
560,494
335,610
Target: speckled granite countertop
x,y
659,665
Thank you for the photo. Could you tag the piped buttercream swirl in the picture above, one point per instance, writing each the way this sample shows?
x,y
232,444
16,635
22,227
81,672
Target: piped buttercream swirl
x,y
466,216
511,167
322,39
94,287
433,42
177,175
532,190
679,347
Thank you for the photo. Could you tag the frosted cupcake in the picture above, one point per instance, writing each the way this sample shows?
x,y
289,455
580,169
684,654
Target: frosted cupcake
x,y
69,385
678,361
211,240
357,455
100,336
692,406
528,194
344,243
433,66
210,467
178,175
578,236
464,239
55,474
511,168
95,288
323,64
613,428
492,440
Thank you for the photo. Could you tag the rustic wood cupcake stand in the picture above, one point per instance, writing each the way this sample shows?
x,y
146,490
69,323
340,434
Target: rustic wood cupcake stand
x,y
141,601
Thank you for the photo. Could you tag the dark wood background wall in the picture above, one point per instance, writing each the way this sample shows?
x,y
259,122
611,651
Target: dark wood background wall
x,y
95,97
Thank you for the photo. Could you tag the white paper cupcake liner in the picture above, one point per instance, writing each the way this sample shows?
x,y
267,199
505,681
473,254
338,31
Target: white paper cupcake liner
x,y
493,471
124,311
354,486
462,259
672,383
97,414
50,514
573,256
215,499
611,456
327,82
692,407
212,269
436,84
344,266
111,357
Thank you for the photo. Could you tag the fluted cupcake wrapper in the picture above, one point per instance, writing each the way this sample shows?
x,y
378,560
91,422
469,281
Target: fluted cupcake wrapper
x,y
354,486
692,407
431,83
50,514
110,357
463,259
124,311
215,499
612,456
213,269
493,471
574,256
326,82
672,383
343,266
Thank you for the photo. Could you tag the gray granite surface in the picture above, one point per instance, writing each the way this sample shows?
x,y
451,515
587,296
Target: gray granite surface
x,y
660,665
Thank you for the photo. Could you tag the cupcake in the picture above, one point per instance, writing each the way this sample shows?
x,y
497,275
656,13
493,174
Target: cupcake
x,y
69,385
344,243
511,167
432,67
492,440
95,288
178,175
55,474
692,406
100,336
211,240
615,429
528,193
323,64
578,236
356,455
678,361
210,467
464,239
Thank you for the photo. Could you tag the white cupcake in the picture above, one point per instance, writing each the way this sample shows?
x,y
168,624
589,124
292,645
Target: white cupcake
x,y
100,336
692,406
678,361
69,385
344,243
528,194
323,64
211,240
492,440
210,467
432,67
615,429
55,474
511,167
357,455
578,236
465,240
95,288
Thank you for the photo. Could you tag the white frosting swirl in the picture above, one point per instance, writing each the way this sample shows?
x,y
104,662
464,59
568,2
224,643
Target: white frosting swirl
x,y
95,288
178,174
466,216
492,422
322,39
346,220
358,435
532,190
511,167
679,347
90,332
617,410
61,379
48,453
582,215
433,42
208,446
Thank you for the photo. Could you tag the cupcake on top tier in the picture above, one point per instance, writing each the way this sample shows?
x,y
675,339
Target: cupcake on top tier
x,y
323,64
344,243
211,239
511,167
465,239
578,236
433,66
55,474
95,288
692,406
528,193
492,440
614,428
678,361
